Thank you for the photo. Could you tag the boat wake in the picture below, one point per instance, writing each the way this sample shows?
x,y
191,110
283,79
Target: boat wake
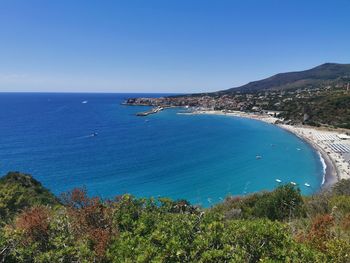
x,y
94,134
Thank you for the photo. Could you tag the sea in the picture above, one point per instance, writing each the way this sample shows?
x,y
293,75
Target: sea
x,y
68,140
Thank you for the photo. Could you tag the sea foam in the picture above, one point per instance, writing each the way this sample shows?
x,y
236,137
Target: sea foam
x,y
324,165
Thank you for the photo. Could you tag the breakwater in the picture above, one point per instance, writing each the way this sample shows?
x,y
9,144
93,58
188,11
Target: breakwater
x,y
152,111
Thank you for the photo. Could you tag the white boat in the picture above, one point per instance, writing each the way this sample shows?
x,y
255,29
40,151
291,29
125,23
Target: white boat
x,y
84,102
258,157
278,181
298,149
293,183
306,184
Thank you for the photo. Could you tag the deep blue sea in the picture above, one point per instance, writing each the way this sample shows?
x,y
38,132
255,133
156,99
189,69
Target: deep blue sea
x,y
202,158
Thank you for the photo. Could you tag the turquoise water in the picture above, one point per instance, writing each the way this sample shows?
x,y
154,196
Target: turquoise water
x,y
202,158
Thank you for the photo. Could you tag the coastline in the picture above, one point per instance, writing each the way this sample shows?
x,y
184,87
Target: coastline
x,y
335,167
331,174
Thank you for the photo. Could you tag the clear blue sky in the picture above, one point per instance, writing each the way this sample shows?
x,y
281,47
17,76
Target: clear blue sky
x,y
165,45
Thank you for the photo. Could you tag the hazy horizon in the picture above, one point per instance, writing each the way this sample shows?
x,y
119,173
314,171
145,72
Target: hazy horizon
x,y
164,47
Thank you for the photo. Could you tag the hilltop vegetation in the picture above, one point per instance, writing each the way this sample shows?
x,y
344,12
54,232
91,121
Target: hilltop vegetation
x,y
277,226
323,75
18,191
326,108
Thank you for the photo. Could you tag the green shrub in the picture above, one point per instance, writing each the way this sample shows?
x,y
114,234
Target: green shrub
x,y
19,191
340,204
285,202
342,187
338,251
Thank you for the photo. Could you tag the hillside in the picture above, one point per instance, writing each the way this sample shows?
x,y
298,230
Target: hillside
x,y
323,75
324,108
277,226
19,191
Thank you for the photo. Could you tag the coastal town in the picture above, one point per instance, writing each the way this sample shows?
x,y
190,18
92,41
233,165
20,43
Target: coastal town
x,y
300,106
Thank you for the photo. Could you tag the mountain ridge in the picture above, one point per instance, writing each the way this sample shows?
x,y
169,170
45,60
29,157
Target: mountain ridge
x,y
324,74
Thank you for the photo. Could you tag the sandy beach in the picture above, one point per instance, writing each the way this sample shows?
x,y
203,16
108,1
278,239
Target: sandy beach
x,y
334,151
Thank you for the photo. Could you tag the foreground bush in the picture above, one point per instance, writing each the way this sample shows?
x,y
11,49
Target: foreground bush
x,y
19,191
284,203
277,226
194,239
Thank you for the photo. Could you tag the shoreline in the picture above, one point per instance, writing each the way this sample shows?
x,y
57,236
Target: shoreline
x,y
331,175
333,164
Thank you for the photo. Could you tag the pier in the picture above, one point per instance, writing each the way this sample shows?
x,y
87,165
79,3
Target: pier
x,y
152,111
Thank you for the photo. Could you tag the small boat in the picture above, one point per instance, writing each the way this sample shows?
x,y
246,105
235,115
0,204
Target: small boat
x,y
84,102
278,181
298,149
293,183
306,184
94,134
258,157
